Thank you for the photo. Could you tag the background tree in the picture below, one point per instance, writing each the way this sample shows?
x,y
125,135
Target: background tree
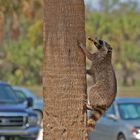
x,y
118,22
1,27
64,70
21,31
113,20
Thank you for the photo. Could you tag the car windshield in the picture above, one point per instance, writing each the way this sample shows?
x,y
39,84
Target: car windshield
x,y
20,94
24,93
129,111
7,94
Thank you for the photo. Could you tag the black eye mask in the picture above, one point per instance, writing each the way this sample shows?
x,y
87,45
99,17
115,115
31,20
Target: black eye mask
x,y
99,43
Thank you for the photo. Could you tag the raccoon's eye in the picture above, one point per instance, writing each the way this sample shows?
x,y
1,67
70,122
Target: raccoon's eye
x,y
95,43
101,42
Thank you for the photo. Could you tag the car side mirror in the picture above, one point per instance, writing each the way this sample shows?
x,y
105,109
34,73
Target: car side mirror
x,y
29,102
112,117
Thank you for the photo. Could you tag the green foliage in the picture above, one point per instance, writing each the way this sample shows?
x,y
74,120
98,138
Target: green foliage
x,y
34,33
122,28
119,26
130,52
24,62
115,22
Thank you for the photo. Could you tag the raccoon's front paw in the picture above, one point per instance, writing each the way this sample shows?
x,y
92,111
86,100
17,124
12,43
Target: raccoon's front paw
x,y
91,122
79,43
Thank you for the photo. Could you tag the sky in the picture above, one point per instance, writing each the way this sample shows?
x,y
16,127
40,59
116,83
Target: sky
x,y
94,3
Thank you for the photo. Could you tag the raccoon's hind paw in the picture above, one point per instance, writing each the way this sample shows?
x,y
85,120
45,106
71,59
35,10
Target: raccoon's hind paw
x,y
91,122
87,105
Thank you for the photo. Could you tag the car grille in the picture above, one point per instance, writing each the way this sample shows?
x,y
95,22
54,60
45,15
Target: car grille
x,y
10,121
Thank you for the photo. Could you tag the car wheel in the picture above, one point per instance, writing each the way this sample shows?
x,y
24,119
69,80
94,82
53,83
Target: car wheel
x,y
39,116
121,137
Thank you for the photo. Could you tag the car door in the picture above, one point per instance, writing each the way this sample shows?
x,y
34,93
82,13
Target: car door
x,y
109,125
96,134
105,127
101,131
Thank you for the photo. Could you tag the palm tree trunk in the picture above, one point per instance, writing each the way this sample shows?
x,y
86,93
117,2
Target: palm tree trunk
x,y
1,27
14,26
64,80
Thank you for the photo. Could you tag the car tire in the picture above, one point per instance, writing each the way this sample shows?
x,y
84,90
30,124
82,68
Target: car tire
x,y
121,137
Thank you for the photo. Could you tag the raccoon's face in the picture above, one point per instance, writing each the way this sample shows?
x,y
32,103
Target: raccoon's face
x,y
101,45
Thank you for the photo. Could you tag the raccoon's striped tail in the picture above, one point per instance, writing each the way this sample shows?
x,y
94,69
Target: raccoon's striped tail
x,y
98,111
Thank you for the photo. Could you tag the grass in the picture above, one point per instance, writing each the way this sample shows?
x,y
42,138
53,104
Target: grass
x,y
122,91
129,91
37,89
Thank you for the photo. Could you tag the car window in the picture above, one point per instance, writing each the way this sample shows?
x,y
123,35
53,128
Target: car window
x,y
129,111
7,93
20,94
29,93
110,110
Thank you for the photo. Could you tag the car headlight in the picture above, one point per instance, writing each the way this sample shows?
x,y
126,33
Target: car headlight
x,y
32,120
136,133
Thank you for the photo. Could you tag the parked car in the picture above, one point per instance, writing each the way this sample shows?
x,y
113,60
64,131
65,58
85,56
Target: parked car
x,y
120,122
24,93
17,119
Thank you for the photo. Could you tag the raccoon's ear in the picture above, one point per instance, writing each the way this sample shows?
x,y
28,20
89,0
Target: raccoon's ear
x,y
109,50
96,38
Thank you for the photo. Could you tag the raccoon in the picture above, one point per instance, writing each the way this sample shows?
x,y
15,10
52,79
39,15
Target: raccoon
x,y
103,92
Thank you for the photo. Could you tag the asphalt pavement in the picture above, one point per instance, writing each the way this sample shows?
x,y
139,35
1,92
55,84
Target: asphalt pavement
x,y
40,135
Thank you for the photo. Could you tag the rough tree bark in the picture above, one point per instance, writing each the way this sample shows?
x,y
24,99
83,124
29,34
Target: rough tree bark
x,y
64,81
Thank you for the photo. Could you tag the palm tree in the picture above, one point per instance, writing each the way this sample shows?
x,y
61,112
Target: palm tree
x,y
1,28
1,25
64,80
12,9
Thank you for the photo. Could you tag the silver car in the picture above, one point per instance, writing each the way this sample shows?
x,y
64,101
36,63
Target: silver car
x,y
24,93
120,122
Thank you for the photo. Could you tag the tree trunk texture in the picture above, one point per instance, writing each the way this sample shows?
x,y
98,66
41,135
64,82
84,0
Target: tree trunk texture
x,y
1,28
14,26
64,80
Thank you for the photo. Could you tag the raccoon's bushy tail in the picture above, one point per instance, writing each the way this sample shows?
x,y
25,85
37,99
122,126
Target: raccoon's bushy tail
x,y
98,111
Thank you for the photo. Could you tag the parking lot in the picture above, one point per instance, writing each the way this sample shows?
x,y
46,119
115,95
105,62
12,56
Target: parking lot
x,y
40,136
20,116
